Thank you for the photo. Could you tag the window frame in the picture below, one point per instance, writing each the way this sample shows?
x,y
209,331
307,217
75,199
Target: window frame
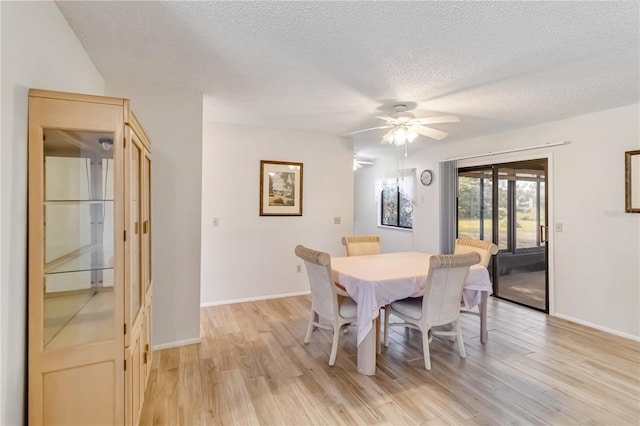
x,y
398,209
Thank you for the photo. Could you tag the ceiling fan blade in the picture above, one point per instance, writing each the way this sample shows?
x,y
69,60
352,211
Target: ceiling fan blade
x,y
431,133
366,130
439,119
390,120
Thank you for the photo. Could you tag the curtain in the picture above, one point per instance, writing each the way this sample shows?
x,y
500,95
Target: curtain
x,y
448,205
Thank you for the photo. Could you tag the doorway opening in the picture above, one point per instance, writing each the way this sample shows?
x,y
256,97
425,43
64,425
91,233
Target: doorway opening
x,y
506,204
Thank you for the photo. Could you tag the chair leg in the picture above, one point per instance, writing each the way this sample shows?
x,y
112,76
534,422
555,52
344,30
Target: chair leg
x,y
425,349
334,346
463,353
307,338
387,313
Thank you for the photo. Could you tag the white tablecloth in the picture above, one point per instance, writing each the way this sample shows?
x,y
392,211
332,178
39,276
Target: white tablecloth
x,y
477,281
377,280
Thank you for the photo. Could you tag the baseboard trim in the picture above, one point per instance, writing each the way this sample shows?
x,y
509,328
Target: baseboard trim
x,y
253,299
599,327
176,344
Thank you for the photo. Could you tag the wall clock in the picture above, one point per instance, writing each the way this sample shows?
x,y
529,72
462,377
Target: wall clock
x,y
425,177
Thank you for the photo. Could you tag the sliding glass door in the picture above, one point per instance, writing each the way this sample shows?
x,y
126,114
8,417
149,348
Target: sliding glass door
x,y
506,203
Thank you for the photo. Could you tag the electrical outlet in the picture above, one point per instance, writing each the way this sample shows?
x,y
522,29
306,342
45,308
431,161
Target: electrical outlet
x,y
298,268
336,220
216,221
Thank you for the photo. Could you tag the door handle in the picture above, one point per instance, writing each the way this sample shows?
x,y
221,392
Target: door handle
x,y
543,233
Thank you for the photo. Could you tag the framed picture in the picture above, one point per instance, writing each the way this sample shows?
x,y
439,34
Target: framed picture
x,y
632,181
280,188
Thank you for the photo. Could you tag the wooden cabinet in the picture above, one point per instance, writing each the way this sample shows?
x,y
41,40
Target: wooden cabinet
x,y
89,260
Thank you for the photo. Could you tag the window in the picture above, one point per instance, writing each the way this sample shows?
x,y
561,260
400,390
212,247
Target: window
x,y
394,197
396,208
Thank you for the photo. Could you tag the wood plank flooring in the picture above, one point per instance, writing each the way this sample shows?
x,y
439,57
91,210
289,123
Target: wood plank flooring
x,y
252,368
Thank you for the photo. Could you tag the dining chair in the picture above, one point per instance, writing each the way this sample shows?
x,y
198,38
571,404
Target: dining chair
x,y
361,245
485,249
325,303
439,303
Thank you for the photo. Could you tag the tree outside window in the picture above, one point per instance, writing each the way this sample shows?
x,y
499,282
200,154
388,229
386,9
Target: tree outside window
x,y
396,208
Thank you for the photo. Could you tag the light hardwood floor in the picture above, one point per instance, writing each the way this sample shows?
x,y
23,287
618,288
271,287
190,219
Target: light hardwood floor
x,y
252,368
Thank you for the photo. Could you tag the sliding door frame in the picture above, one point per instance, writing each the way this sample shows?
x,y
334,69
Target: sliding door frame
x,y
488,161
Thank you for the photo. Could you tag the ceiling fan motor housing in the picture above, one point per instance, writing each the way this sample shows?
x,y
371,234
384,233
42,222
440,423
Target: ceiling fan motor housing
x,y
401,113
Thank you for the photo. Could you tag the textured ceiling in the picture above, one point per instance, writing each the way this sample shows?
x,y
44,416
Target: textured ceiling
x,y
331,67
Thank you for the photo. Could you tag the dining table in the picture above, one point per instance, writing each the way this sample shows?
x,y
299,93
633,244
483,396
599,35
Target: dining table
x,y
374,281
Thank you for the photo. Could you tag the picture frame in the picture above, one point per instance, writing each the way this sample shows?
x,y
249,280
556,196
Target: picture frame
x,y
280,188
632,181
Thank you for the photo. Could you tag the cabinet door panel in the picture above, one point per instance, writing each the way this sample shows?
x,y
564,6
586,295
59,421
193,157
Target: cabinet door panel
x,y
73,398
134,387
146,330
134,295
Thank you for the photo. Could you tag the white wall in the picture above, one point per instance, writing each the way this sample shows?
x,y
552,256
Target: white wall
x,y
173,121
250,256
39,50
596,276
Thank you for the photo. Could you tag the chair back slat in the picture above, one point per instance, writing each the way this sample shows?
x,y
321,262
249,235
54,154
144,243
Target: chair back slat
x,y
443,290
362,245
485,249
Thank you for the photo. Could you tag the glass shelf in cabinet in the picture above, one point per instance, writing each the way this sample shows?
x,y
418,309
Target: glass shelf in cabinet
x,y
88,258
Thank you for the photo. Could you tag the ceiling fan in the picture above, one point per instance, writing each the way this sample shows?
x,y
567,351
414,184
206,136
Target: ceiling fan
x,y
405,127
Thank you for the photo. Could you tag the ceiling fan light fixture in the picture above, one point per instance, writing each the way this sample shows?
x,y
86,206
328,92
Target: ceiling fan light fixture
x,y
411,135
389,136
400,137
405,127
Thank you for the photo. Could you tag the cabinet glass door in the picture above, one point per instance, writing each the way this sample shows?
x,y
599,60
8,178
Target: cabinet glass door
x,y
147,220
133,225
78,237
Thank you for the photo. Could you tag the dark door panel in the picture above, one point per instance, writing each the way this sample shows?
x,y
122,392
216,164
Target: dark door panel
x,y
507,203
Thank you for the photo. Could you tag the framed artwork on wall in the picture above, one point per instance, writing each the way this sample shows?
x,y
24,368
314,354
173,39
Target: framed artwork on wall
x,y
632,181
280,188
